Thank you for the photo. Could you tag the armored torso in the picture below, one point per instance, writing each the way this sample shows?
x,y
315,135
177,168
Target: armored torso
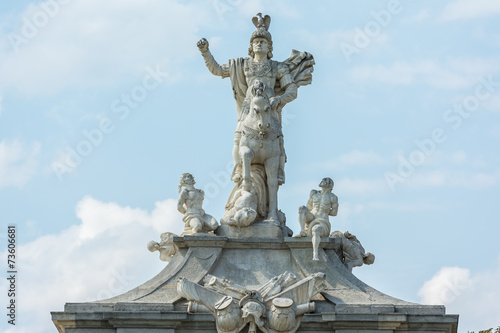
x,y
266,72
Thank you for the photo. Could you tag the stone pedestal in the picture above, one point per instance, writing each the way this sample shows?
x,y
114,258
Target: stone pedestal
x,y
346,305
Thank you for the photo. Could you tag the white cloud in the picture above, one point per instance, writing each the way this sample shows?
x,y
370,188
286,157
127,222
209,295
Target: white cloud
x,y
93,43
103,256
469,9
457,179
329,41
18,163
493,103
347,160
455,74
444,287
360,186
347,210
474,296
357,157
419,17
401,206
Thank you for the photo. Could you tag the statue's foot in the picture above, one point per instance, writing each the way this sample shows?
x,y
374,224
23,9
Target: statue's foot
x,y
236,177
316,258
281,180
302,233
273,218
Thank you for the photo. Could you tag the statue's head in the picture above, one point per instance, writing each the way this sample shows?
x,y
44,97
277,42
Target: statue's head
x,y
186,179
261,40
369,258
326,182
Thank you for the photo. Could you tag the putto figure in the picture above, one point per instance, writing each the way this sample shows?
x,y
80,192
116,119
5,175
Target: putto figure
x,y
314,218
280,81
190,204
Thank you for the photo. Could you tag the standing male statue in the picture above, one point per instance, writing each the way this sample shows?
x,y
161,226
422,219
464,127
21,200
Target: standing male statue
x,y
281,81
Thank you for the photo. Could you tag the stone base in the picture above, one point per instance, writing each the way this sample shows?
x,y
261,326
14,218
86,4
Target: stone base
x,y
257,229
347,305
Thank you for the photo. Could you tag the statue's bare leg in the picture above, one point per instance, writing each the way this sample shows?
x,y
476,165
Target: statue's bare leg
x,y
196,225
246,155
281,169
210,222
316,232
272,165
305,216
236,177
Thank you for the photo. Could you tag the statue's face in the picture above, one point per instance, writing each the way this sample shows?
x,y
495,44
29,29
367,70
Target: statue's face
x,y
326,183
187,179
260,45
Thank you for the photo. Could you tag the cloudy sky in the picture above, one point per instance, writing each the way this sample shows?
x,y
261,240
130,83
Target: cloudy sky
x,y
103,104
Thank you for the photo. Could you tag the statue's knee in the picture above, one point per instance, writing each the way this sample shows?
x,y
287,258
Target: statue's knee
x,y
317,231
246,153
196,225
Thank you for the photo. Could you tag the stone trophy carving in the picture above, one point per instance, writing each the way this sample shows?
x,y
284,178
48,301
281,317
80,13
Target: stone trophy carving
x,y
166,246
314,218
190,204
261,87
277,306
353,254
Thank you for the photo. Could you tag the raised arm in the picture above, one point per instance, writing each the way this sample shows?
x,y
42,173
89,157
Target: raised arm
x,y
210,62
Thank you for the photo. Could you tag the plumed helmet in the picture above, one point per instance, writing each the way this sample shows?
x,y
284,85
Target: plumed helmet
x,y
262,24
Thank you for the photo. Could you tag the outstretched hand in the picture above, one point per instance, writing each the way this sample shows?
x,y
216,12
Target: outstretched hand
x,y
202,45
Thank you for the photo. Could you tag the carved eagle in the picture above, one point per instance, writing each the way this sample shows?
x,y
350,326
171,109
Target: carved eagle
x,y
261,22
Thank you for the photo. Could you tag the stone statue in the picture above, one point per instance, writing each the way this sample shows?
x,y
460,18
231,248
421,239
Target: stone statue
x,y
166,246
277,85
314,219
277,306
190,204
243,210
353,254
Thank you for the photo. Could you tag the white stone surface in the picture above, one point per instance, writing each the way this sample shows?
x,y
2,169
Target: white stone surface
x,y
277,306
261,87
166,246
353,252
190,204
314,218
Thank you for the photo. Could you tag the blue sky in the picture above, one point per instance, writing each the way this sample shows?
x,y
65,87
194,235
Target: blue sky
x,y
104,104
